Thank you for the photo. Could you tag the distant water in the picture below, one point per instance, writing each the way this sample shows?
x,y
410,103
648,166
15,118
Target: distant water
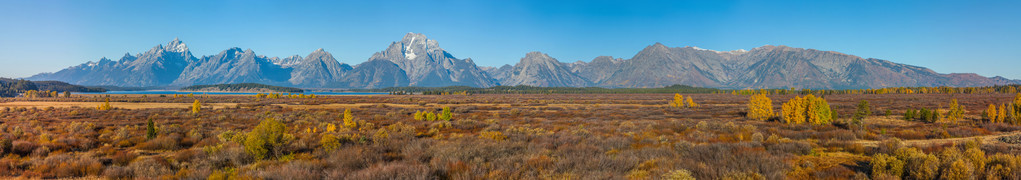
x,y
226,93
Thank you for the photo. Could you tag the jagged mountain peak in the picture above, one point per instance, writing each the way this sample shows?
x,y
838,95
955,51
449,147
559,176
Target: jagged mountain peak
x,y
537,57
607,59
535,54
415,45
539,69
233,49
177,45
318,69
416,60
654,48
426,64
412,35
319,52
320,55
775,47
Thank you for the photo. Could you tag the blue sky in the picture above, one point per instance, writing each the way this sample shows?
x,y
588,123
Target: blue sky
x,y
983,37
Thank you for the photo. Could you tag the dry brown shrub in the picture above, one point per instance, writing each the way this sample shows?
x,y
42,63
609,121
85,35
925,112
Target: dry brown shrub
x,y
23,147
118,172
66,165
293,170
185,155
396,170
160,143
151,167
353,158
123,158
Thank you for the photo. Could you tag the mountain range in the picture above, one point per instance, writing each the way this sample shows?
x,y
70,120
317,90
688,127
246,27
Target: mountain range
x,y
418,61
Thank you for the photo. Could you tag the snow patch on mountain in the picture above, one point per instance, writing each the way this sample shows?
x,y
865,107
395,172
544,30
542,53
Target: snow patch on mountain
x,y
408,52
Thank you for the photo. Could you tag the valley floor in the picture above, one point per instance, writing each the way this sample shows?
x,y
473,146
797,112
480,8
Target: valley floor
x,y
493,136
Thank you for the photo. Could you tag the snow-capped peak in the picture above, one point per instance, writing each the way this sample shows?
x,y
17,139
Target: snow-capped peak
x,y
177,46
408,52
739,51
700,49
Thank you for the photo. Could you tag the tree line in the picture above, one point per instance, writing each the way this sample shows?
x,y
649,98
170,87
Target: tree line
x,y
1010,89
243,87
16,87
523,89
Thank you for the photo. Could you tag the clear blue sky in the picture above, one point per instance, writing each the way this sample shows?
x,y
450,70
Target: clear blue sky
x,y
948,36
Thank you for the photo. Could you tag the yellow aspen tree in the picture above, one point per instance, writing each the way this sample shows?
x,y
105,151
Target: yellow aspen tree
x,y
1001,115
105,106
801,109
990,114
794,110
811,112
787,111
196,107
430,116
349,120
956,111
690,103
1013,113
760,107
821,112
445,114
678,101
419,115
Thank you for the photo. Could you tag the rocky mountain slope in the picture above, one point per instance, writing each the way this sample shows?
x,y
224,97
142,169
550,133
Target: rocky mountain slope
x,y
538,69
160,65
318,69
428,65
765,67
233,66
416,60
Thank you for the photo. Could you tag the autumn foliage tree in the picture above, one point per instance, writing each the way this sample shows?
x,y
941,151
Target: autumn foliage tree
x,y
955,112
445,114
268,137
678,101
196,107
419,115
690,103
808,109
989,115
105,105
1001,115
1013,112
349,120
793,111
760,107
430,116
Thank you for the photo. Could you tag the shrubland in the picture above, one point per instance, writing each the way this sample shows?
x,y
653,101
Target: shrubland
x,y
551,136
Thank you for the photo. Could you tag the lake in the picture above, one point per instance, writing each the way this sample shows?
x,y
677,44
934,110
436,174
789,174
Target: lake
x,y
225,93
